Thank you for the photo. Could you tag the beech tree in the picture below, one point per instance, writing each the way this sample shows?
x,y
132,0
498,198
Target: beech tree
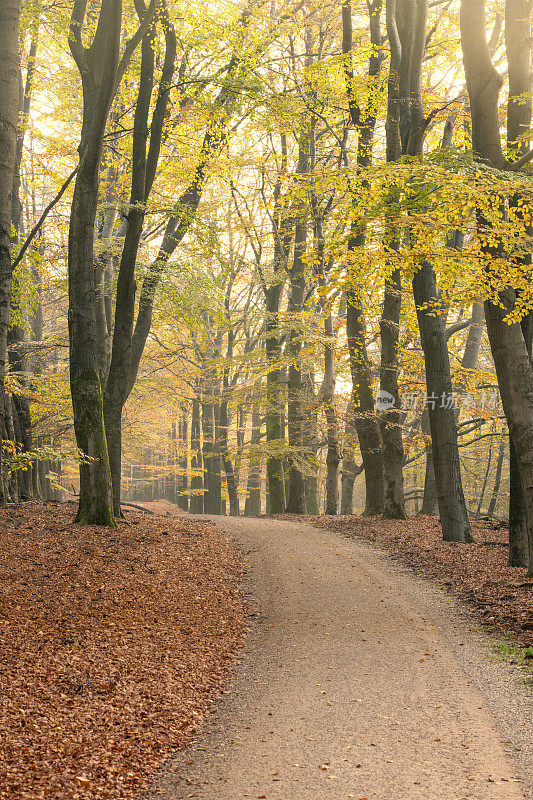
x,y
412,37
510,343
364,121
9,118
101,68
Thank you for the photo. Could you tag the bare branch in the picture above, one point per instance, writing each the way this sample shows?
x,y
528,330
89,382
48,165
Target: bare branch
x,y
514,166
42,218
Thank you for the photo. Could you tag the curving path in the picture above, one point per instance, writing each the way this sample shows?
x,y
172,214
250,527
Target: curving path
x,y
358,680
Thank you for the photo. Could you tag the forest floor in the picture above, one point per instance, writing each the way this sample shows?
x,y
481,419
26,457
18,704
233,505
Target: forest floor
x,y
476,572
113,644
359,679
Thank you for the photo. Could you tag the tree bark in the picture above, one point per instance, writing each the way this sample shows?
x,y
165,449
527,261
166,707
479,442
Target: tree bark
x,y
275,388
183,476
485,480
509,349
391,420
9,118
445,452
311,442
98,66
498,480
145,157
327,399
519,110
253,500
452,507
231,482
212,495
295,412
365,420
197,499
468,362
350,470
429,501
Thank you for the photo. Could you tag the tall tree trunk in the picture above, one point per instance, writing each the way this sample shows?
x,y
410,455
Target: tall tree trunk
x,y
9,118
391,427
275,388
333,456
468,362
18,366
429,501
452,507
365,420
183,476
208,455
485,480
231,481
509,348
253,500
98,65
239,435
311,443
197,501
12,481
145,158
172,482
224,416
364,120
18,355
518,538
445,452
350,470
498,479
391,422
217,452
295,415
326,397
519,109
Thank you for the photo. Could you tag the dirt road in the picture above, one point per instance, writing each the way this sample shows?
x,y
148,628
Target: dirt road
x,y
359,680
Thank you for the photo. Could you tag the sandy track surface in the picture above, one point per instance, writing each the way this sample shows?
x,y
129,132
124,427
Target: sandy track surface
x,y
359,680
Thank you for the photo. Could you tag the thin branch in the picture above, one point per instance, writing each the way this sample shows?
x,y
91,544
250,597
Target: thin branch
x,y
483,436
514,166
42,218
456,327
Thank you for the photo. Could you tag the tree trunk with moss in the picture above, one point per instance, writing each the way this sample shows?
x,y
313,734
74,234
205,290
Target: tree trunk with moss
x,y
98,66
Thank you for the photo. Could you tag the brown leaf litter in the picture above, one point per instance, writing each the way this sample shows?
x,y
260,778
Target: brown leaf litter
x,y
113,645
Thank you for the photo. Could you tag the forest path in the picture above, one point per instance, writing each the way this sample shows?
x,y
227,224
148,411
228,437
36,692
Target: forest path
x,y
358,680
